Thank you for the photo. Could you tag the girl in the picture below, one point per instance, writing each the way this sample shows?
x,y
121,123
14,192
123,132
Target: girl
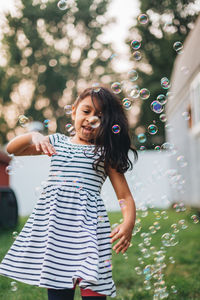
x,y
67,239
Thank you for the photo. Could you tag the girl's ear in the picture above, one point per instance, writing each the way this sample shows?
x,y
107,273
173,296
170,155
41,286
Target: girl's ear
x,y
73,112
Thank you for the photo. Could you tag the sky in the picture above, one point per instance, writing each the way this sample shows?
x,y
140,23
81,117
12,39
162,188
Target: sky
x,y
125,11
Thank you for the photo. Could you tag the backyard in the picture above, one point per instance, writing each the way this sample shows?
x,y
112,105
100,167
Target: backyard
x,y
162,262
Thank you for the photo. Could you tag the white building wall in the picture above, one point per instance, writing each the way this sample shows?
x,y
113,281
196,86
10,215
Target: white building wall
x,y
148,182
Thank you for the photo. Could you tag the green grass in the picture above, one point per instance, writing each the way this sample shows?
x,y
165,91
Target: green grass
x,y
184,273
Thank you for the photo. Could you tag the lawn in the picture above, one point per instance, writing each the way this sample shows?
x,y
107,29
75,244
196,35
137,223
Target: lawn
x,y
164,259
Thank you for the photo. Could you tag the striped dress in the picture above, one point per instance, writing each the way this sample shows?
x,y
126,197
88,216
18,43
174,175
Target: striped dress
x,y
67,235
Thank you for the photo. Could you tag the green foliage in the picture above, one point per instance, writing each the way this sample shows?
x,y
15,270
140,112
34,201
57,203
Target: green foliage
x,y
57,52
184,273
169,21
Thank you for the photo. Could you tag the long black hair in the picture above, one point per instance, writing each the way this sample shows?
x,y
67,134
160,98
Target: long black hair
x,y
114,146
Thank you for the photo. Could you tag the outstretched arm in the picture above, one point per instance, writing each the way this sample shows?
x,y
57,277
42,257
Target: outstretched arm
x,y
127,204
32,143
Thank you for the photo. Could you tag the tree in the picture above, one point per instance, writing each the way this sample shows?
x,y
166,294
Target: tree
x,y
50,54
169,22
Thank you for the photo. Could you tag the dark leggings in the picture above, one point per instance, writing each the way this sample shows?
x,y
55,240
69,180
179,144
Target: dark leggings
x,y
68,294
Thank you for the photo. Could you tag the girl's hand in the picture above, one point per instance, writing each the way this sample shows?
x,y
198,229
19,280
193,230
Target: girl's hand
x,y
42,144
124,233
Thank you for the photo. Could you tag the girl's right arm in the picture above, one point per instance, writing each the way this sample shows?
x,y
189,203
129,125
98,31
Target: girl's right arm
x,y
32,143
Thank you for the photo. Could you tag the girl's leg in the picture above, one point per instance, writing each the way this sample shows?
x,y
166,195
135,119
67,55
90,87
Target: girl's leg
x,y
66,294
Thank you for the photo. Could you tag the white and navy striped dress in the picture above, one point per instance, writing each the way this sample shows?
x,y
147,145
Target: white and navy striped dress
x,y
67,235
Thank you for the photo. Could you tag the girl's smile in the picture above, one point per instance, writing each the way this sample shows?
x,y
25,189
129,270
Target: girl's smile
x,y
83,116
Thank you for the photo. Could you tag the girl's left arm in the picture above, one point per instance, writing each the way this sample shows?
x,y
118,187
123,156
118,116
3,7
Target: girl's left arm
x,y
123,232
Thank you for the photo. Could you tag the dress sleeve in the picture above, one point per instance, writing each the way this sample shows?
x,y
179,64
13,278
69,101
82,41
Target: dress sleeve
x,y
55,138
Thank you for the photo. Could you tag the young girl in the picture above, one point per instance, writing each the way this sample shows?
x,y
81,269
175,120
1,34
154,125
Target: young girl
x,y
67,239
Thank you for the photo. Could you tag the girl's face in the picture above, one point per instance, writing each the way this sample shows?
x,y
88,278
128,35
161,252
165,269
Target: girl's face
x,y
81,115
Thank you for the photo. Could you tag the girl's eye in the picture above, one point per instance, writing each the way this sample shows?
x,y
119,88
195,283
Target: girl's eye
x,y
86,111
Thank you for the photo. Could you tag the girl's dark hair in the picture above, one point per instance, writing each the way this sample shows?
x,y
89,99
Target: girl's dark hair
x,y
114,146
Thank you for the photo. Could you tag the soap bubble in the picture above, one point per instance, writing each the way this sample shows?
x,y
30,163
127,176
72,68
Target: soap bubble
x,y
171,260
62,4
162,99
13,285
152,229
152,129
144,94
23,120
163,118
96,87
134,91
108,264
173,289
157,148
156,225
182,224
181,161
142,148
157,214
169,239
143,19
138,270
186,115
127,104
70,129
101,219
9,170
178,46
94,121
15,234
175,228
135,44
179,207
195,219
165,83
164,215
157,107
137,55
116,87
68,109
133,75
141,138
122,203
169,127
116,129
46,123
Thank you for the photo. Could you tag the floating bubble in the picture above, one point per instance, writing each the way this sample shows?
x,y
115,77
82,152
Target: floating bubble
x,y
152,129
143,19
46,123
116,129
169,239
9,170
164,215
140,260
135,44
179,207
23,120
165,83
182,224
137,55
157,148
146,253
169,127
134,91
127,104
108,264
167,147
68,109
163,118
138,270
141,138
94,121
173,289
96,87
157,214
116,87
156,225
181,161
152,229
186,115
122,203
142,148
162,99
15,234
175,228
133,75
14,286
62,4
171,260
125,255
178,46
144,94
101,219
157,107
195,219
